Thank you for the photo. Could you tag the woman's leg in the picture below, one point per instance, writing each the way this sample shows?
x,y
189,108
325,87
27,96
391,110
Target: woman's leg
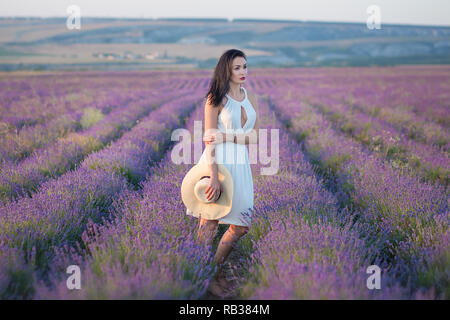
x,y
220,284
226,244
206,231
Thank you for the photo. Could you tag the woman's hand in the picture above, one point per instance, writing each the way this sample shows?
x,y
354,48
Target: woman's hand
x,y
216,138
213,190
219,136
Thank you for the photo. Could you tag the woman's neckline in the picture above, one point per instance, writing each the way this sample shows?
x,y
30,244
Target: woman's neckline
x,y
245,96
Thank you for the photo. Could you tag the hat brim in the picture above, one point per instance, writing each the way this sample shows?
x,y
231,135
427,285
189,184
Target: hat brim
x,y
213,210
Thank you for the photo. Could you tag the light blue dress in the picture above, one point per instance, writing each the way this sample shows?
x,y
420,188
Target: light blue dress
x,y
236,159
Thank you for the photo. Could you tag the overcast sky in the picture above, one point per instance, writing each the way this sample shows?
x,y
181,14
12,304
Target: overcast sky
x,y
422,12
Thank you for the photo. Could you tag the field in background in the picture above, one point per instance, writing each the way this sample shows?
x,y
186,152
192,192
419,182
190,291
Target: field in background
x,y
87,179
142,44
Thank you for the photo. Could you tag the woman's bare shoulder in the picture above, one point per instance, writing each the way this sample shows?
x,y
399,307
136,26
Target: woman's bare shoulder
x,y
222,104
224,101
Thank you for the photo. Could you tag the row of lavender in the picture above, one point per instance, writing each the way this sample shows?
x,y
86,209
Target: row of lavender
x,y
383,95
187,276
33,228
411,96
149,252
16,145
415,127
26,94
404,220
22,98
418,103
303,246
428,161
67,105
24,178
149,249
53,117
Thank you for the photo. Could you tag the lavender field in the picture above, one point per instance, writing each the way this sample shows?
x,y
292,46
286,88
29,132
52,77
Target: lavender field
x,y
87,179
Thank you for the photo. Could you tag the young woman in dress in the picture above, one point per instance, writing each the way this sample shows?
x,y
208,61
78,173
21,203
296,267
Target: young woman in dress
x,y
231,111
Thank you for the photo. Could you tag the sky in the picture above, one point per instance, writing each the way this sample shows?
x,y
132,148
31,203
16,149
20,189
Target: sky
x,y
417,12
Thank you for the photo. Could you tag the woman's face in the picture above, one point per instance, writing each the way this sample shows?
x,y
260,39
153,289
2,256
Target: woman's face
x,y
239,70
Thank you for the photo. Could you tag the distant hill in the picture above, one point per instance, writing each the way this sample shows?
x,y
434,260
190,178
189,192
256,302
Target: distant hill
x,y
108,43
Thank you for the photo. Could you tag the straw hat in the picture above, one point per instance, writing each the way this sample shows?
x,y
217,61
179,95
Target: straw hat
x,y
193,191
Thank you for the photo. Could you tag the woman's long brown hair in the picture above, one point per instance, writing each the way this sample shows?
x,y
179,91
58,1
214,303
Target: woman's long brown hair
x,y
220,83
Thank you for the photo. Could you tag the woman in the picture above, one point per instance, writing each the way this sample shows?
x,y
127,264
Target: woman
x,y
231,123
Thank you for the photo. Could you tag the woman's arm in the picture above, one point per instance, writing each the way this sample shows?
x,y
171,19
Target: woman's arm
x,y
211,117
